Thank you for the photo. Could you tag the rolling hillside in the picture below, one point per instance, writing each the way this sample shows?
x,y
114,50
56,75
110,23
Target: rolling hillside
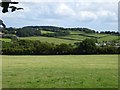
x,y
5,39
75,36
57,35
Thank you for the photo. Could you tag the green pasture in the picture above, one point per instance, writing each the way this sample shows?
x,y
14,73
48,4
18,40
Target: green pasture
x,y
108,38
1,72
89,34
75,37
50,40
97,35
70,39
45,32
70,71
5,39
76,32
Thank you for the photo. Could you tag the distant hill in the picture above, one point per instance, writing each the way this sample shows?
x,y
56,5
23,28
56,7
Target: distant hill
x,y
54,28
58,35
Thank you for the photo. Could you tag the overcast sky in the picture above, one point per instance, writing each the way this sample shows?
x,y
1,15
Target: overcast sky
x,y
94,14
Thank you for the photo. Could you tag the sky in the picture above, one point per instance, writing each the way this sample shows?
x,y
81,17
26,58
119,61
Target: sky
x,y
99,15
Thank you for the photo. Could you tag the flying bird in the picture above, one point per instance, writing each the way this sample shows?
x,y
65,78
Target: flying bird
x,y
15,8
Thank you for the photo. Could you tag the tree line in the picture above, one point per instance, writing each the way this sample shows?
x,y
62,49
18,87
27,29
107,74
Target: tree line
x,y
29,31
29,47
58,31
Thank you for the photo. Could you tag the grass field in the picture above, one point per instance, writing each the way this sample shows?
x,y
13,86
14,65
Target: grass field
x,y
75,36
70,71
108,38
44,32
50,40
0,73
5,39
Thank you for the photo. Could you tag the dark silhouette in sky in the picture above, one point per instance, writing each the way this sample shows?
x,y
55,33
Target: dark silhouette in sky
x,y
1,23
5,5
14,8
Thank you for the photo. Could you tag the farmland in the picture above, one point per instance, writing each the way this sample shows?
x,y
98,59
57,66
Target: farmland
x,y
57,35
5,39
50,40
70,39
75,36
70,71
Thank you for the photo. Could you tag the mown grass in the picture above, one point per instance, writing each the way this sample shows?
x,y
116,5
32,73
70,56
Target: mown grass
x,y
70,71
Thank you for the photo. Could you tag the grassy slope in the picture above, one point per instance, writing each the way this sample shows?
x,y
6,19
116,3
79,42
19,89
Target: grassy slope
x,y
108,38
50,40
1,72
5,39
95,71
72,38
44,32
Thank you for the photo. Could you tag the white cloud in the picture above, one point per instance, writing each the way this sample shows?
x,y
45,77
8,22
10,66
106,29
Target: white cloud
x,y
106,13
86,16
107,16
36,1
64,10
